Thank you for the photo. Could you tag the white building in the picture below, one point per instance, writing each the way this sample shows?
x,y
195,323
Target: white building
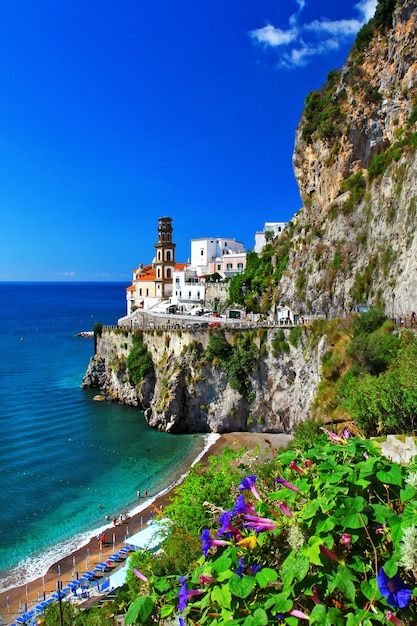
x,y
225,256
276,228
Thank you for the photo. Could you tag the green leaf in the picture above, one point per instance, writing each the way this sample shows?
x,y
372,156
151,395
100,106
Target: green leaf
x,y
280,602
343,581
266,575
222,596
167,609
142,607
241,587
325,525
221,564
392,477
312,550
368,588
407,493
294,567
258,617
356,520
321,617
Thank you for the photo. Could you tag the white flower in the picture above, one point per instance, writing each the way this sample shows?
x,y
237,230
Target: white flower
x,y
408,549
412,480
295,538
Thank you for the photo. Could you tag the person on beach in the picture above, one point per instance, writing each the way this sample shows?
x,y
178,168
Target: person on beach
x,y
138,493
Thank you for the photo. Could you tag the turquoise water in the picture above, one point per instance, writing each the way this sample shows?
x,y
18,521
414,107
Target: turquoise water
x,y
66,460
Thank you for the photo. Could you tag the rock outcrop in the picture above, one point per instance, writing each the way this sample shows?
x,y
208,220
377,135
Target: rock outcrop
x,y
356,166
185,393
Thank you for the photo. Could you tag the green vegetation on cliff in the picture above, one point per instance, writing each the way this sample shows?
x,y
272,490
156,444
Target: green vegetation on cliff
x,y
139,361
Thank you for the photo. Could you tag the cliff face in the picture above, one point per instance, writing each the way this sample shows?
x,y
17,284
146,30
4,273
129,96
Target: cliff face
x,y
353,240
187,394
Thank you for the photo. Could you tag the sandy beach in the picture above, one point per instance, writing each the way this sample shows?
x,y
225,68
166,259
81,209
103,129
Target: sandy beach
x,y
25,597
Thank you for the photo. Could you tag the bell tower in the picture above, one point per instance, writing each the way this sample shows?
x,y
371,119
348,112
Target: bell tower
x,y
164,259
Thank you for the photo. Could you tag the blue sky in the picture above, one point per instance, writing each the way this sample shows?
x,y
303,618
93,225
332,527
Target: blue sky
x,y
113,114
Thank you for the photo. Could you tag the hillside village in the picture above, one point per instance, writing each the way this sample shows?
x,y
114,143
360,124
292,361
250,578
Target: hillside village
x,y
165,286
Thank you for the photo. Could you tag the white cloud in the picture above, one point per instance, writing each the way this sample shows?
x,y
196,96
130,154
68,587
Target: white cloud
x,y
301,42
271,36
66,274
335,27
367,9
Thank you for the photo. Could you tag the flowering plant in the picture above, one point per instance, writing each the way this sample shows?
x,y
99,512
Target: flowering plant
x,y
323,536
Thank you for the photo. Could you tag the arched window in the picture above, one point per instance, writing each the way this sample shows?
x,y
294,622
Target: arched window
x,y
159,255
168,272
168,255
159,272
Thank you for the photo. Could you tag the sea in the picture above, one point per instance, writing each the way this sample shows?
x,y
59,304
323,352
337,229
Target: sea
x,y
68,461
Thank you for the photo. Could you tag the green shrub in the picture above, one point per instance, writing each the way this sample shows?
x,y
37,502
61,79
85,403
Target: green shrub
x,y
295,334
139,361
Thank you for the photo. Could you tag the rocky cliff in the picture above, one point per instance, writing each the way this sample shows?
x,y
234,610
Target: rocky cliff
x,y
186,393
356,166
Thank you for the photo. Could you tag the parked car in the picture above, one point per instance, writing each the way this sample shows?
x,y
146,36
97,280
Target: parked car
x,y
215,324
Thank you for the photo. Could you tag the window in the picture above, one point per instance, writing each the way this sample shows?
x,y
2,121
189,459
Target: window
x,y
168,272
168,237
202,252
147,292
219,267
240,267
229,266
189,295
159,255
168,255
177,280
140,291
198,295
159,272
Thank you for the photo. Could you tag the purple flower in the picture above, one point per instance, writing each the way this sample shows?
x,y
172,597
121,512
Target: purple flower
x,y
294,466
241,568
180,621
346,539
184,594
208,542
251,570
140,575
391,618
293,613
330,555
242,507
394,590
259,524
284,508
285,483
226,526
249,483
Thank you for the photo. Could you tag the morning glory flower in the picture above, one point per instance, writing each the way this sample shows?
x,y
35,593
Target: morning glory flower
x,y
242,507
251,570
293,613
259,524
185,593
391,618
140,575
226,526
285,483
396,592
346,539
294,466
208,542
330,555
203,578
284,508
249,483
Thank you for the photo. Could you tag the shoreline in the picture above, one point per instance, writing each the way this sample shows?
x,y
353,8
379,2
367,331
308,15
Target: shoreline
x,y
13,601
